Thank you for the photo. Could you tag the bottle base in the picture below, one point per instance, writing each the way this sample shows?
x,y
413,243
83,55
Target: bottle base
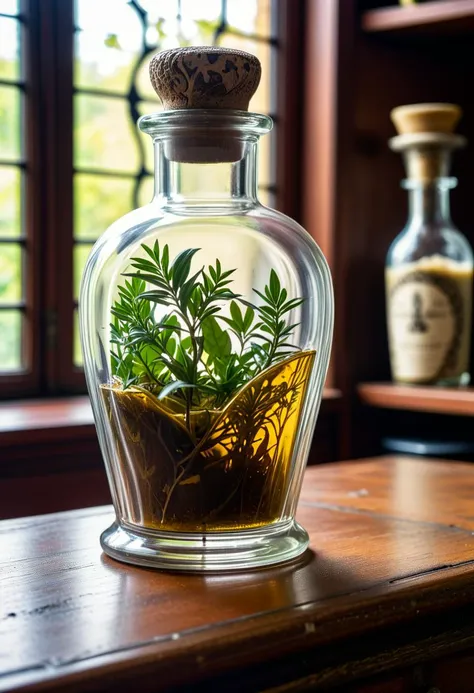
x,y
199,553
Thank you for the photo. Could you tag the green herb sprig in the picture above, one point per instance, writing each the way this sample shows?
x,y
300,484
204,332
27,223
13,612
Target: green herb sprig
x,y
187,355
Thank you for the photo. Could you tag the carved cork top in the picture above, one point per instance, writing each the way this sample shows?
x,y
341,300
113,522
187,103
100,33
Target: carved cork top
x,y
205,77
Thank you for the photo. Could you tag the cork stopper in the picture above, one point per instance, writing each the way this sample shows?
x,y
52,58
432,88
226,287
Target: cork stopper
x,y
426,117
205,77
426,138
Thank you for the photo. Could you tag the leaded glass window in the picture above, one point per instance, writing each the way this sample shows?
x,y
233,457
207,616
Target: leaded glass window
x,y
114,40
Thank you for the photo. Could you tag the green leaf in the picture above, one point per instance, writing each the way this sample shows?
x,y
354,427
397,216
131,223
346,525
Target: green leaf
x,y
248,318
150,278
172,387
294,303
171,346
121,314
274,285
262,296
216,341
165,259
207,26
149,251
143,264
187,289
111,41
237,316
159,28
181,266
210,311
160,297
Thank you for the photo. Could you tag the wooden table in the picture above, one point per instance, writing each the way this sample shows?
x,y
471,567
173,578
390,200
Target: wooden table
x,y
383,603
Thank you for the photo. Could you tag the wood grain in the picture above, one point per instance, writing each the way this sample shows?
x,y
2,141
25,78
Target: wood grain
x,y
391,544
454,401
439,16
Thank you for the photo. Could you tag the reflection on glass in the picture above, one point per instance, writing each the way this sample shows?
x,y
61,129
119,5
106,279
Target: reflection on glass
x,y
10,344
77,351
100,200
9,49
265,170
10,123
81,253
10,273
145,108
10,202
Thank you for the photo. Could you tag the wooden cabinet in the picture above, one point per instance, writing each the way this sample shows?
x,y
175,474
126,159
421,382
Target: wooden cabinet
x,y
362,60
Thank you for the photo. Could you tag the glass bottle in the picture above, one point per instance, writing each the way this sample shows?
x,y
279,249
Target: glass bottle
x,y
429,266
206,325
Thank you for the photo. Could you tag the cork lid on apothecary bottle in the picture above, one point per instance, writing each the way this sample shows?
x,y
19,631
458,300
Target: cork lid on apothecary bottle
x,y
426,138
205,92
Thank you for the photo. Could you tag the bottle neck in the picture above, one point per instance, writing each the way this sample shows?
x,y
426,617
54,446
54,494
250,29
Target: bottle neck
x,y
428,203
205,185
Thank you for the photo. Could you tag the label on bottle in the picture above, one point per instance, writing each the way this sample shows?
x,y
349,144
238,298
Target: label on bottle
x,y
429,313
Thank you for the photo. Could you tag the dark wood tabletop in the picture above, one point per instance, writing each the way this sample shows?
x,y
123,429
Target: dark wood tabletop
x,y
383,601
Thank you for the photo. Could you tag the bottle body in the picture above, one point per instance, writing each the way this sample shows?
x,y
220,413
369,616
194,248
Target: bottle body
x,y
429,273
206,322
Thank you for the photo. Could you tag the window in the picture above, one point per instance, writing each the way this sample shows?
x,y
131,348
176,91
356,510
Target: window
x,y
11,184
94,86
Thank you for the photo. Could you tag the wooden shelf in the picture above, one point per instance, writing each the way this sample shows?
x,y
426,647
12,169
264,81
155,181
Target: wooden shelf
x,y
439,17
454,401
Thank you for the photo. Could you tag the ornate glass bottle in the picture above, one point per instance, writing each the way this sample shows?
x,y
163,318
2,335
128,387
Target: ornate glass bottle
x,y
430,264
206,323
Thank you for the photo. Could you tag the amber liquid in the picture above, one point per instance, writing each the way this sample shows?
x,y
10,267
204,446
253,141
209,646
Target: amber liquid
x,y
221,470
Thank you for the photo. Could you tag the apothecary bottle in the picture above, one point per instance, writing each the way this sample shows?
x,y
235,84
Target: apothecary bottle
x,y
206,324
429,267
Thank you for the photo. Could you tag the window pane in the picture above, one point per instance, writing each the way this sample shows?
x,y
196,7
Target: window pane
x,y
77,351
145,191
9,49
198,25
10,273
104,135
10,123
107,45
10,201
250,16
98,201
145,90
9,7
81,253
10,344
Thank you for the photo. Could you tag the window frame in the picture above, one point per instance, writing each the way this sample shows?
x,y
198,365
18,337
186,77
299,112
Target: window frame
x,y
28,381
48,199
